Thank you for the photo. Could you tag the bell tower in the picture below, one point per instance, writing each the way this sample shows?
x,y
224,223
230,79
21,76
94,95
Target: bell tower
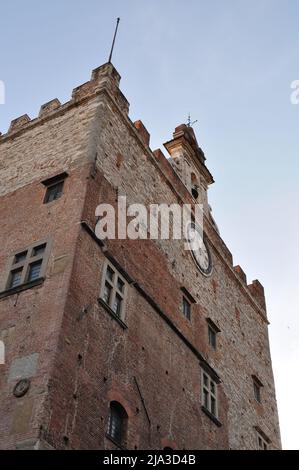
x,y
188,161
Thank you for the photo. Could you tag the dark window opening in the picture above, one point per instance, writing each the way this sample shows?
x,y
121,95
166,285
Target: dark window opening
x,y
257,391
117,305
186,308
54,187
110,273
107,293
194,191
34,271
54,192
117,423
20,257
212,337
194,186
262,442
120,285
15,278
39,250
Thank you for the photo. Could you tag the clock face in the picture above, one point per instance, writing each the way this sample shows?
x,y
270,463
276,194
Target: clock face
x,y
199,249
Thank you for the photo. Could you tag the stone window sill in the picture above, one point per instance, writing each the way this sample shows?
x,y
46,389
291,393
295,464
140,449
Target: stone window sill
x,y
112,314
211,416
21,288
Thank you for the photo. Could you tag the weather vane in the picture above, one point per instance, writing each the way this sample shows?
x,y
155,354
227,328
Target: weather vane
x,y
113,42
190,123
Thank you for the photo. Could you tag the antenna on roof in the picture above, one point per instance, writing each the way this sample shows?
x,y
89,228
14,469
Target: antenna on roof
x,y
113,42
190,123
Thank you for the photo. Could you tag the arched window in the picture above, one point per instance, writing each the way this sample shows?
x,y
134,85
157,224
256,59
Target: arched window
x,y
194,186
117,422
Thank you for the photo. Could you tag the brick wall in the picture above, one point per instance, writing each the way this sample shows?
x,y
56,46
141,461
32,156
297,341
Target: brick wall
x,y
85,358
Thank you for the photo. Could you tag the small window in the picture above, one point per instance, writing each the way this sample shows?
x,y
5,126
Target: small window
x,y
213,331
262,441
15,278
209,394
120,285
212,337
117,423
194,186
110,273
117,305
107,293
20,257
186,308
27,265
54,187
34,271
53,192
114,290
39,250
257,387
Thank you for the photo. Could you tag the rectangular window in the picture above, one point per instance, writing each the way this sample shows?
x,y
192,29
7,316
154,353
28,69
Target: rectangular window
x,y
209,394
262,441
113,290
213,331
257,387
186,308
39,250
27,265
15,278
53,192
107,293
34,271
20,257
54,187
117,305
187,302
212,337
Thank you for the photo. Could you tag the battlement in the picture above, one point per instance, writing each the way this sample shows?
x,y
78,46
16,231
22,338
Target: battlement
x,y
104,77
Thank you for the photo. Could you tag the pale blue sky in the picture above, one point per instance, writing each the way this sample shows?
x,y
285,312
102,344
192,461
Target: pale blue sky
x,y
228,62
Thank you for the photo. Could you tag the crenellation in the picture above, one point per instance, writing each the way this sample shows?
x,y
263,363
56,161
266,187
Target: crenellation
x,y
94,153
49,107
104,77
143,132
18,123
257,291
239,271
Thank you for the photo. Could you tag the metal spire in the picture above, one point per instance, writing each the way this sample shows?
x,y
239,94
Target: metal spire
x,y
113,42
189,121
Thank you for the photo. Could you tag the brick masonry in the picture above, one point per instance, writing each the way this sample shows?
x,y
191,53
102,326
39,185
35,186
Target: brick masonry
x,y
76,356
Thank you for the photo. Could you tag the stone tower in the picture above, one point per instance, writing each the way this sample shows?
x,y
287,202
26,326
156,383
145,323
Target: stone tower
x,y
120,343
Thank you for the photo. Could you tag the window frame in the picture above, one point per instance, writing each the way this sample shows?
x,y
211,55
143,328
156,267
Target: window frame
x,y
257,389
188,298
213,328
115,291
117,410
24,265
50,183
211,394
212,337
264,441
187,303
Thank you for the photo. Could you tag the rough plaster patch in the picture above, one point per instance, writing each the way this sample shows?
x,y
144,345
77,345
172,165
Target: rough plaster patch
x,y
23,367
